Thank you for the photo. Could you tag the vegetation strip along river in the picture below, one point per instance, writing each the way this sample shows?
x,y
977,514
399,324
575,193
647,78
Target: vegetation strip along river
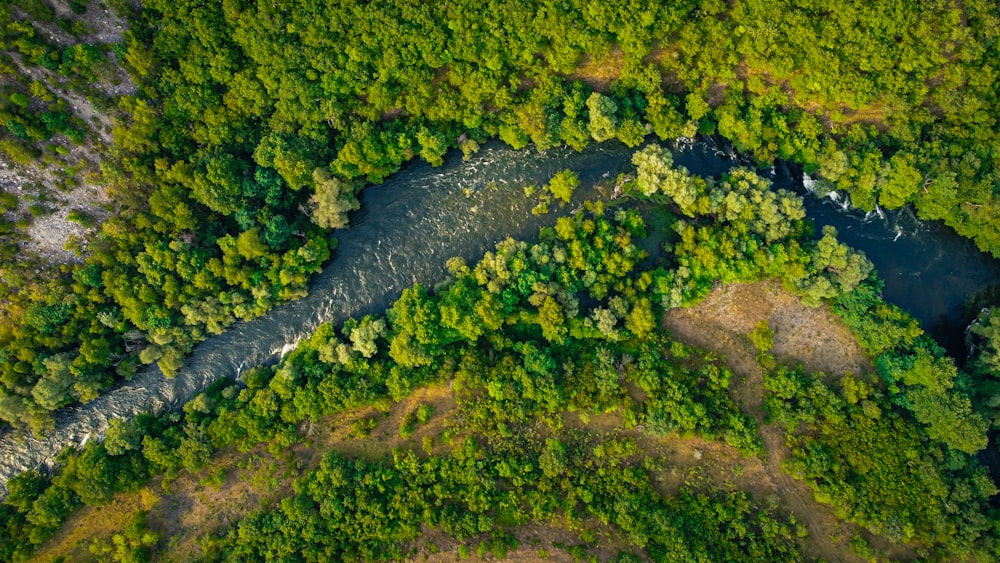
x,y
413,223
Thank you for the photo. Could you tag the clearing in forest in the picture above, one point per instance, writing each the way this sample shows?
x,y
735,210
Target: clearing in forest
x,y
811,336
814,337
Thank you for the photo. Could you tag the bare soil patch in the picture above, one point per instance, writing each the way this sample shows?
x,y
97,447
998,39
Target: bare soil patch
x,y
40,181
48,233
99,23
599,72
548,542
813,337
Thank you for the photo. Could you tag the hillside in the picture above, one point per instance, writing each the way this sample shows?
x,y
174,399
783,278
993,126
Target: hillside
x,y
234,484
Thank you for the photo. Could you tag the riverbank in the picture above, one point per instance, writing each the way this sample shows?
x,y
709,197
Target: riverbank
x,y
407,229
410,225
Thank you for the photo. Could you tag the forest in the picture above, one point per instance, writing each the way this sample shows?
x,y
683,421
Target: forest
x,y
570,324
257,112
242,145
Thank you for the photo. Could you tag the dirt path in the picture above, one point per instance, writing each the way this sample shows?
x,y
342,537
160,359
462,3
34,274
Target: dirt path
x,y
813,337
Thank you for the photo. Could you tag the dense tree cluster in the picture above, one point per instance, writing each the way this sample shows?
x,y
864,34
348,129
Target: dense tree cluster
x,y
917,374
865,455
354,510
893,103
738,229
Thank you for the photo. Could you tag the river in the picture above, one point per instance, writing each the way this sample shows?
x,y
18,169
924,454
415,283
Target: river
x,y
420,217
939,277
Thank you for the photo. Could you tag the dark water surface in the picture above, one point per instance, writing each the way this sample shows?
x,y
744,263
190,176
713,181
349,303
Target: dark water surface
x,y
420,217
940,278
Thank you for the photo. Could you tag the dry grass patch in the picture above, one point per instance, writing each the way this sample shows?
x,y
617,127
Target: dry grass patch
x,y
74,537
814,337
818,340
599,72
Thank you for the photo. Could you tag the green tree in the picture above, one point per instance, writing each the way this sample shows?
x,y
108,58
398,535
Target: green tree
x,y
366,334
552,460
433,146
603,117
562,185
899,181
55,388
640,320
333,200
122,436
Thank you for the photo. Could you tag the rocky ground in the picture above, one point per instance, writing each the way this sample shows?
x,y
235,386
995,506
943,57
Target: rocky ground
x,y
46,199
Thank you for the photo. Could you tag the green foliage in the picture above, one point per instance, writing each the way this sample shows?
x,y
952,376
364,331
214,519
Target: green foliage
x,y
915,370
762,337
603,119
858,452
424,413
984,363
122,436
134,545
879,327
561,185
365,335
332,201
641,320
840,269
987,327
81,217
363,427
352,509
656,174
218,152
741,230
899,182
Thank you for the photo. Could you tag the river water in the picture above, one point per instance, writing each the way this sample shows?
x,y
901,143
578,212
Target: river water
x,y
939,277
420,217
